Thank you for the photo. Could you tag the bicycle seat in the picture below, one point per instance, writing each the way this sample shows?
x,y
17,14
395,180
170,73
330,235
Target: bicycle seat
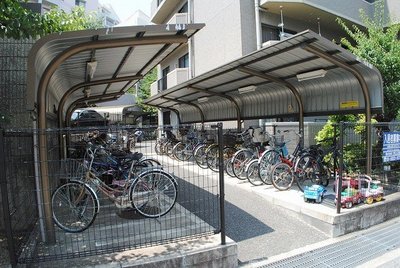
x,y
134,156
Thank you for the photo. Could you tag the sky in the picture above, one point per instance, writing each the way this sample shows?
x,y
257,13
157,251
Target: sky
x,y
125,8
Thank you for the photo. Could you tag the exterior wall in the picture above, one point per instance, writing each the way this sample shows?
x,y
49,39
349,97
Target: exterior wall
x,y
220,41
393,9
172,60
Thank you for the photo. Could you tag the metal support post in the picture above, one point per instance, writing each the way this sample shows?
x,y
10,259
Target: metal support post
x,y
341,167
4,200
221,183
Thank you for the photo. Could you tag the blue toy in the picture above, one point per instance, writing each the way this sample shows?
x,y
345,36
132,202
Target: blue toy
x,y
314,192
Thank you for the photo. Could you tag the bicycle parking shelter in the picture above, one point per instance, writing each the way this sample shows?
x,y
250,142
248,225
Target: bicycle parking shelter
x,y
301,76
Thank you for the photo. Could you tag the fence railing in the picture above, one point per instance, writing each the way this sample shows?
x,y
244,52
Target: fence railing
x,y
119,222
195,160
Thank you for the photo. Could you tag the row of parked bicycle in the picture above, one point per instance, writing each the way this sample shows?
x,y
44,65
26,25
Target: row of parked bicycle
x,y
128,179
261,159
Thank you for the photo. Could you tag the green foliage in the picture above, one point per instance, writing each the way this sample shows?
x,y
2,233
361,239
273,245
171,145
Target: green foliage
x,y
144,91
354,154
18,22
379,46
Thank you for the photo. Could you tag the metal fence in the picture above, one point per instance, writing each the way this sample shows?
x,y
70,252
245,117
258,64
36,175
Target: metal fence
x,y
199,208
117,226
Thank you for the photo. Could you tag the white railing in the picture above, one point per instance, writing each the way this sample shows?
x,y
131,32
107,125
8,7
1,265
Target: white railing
x,y
154,88
179,18
177,76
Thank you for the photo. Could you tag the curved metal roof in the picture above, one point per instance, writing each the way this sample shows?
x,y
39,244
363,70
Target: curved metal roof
x,y
349,85
75,69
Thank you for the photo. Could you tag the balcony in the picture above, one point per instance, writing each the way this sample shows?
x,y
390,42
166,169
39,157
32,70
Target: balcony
x,y
327,11
179,18
161,10
177,76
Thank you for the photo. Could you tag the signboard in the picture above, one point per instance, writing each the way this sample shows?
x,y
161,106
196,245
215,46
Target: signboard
x,y
391,146
349,104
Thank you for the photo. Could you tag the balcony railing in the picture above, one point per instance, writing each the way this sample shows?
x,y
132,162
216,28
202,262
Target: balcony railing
x,y
173,78
179,18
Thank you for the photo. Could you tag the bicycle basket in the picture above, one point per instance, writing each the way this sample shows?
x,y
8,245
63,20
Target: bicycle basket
x,y
229,140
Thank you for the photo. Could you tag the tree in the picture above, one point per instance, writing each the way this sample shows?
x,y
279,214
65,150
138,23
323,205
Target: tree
x,y
379,46
144,91
18,22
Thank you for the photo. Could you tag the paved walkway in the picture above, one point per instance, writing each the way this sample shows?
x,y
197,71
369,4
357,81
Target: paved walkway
x,y
378,246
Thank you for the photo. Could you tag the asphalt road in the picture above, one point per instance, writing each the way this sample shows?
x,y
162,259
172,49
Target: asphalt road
x,y
260,228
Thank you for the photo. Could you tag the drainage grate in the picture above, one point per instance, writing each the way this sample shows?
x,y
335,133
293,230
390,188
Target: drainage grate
x,y
347,253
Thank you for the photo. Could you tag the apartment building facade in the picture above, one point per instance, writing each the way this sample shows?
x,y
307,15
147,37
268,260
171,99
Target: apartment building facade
x,y
105,11
234,28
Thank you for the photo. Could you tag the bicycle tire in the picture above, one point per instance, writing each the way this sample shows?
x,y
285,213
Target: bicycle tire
x,y
239,161
75,206
212,156
229,169
157,148
153,193
308,171
266,162
282,176
200,156
252,173
180,151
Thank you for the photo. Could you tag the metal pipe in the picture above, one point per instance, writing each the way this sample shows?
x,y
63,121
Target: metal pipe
x,y
258,23
37,180
339,185
221,183
364,88
291,88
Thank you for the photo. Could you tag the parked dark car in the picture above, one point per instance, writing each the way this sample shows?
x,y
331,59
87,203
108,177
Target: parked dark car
x,y
88,118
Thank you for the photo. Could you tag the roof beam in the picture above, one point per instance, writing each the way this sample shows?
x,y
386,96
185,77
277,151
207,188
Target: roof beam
x,y
364,88
70,91
286,84
225,96
187,103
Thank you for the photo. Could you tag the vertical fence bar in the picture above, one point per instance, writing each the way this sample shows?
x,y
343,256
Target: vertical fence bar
x,y
341,167
6,209
221,182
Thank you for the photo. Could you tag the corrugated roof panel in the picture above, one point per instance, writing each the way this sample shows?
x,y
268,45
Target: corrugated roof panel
x,y
282,62
107,47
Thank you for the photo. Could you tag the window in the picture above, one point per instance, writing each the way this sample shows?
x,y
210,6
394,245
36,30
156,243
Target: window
x,y
269,33
184,8
183,62
272,33
162,83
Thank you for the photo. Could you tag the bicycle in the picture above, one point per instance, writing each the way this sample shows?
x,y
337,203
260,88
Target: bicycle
x,y
75,204
306,168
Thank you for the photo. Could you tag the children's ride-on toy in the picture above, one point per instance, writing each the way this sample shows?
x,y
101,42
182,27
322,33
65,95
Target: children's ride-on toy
x,y
350,197
372,190
314,192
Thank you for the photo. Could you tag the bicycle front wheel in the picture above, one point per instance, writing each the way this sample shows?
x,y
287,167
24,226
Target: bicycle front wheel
x,y
282,176
239,161
153,193
309,171
266,162
75,206
252,173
